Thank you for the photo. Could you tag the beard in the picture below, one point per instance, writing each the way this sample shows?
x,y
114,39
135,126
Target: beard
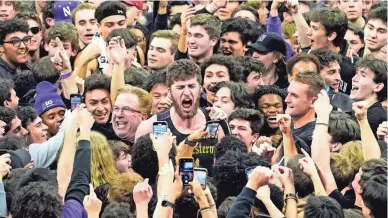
x,y
183,115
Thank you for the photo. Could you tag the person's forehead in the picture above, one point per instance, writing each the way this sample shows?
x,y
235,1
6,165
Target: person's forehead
x,y
32,23
158,88
297,87
231,35
366,70
240,122
333,65
113,19
270,98
197,29
97,94
37,120
55,110
161,42
84,14
378,23
317,24
189,81
224,92
19,35
127,99
216,68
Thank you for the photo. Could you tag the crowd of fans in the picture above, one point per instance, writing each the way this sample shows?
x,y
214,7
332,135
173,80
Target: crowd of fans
x,y
298,91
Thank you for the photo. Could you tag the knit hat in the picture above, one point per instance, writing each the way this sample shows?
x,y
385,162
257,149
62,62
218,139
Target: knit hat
x,y
47,98
62,11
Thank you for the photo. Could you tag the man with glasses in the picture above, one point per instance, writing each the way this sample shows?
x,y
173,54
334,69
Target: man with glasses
x,y
132,106
14,41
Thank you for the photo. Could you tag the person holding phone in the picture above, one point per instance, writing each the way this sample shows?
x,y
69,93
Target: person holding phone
x,y
330,70
186,117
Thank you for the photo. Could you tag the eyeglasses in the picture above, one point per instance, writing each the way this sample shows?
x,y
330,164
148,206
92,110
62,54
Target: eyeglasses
x,y
35,30
17,42
126,110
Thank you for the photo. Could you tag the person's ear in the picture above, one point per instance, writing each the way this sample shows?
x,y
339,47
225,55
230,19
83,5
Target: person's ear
x,y
336,147
332,36
50,21
46,46
213,41
6,103
255,137
378,87
313,99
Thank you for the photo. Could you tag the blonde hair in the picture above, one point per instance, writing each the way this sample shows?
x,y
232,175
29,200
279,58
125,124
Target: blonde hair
x,y
145,99
353,152
84,6
102,164
168,34
288,29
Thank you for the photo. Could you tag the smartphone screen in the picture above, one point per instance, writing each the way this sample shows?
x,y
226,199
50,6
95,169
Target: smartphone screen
x,y
186,166
159,128
248,171
281,162
211,129
75,100
201,175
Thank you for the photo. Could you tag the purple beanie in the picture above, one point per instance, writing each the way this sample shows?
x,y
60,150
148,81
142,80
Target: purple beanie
x,y
62,11
47,98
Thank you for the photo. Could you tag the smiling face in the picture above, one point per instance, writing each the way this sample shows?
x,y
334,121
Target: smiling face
x,y
86,25
111,23
214,74
298,100
159,93
223,100
17,128
15,56
352,8
37,131
375,34
36,37
253,80
231,44
332,75
185,97
97,102
271,105
159,53
7,10
363,86
126,116
199,43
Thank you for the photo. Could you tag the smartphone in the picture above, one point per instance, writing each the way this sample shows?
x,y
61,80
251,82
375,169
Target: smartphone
x,y
159,128
186,170
281,162
211,129
248,171
329,91
201,174
75,100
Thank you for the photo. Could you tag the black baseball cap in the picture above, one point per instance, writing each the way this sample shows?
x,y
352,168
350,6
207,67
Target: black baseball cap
x,y
269,42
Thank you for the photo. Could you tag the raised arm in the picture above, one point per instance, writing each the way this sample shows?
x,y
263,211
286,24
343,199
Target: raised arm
x,y
288,139
117,52
81,175
308,166
370,146
185,23
320,148
286,177
86,63
264,195
142,194
66,159
302,26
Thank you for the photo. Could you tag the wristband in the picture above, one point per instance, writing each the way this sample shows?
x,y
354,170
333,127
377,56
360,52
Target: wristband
x,y
323,124
65,75
166,203
190,143
202,210
291,196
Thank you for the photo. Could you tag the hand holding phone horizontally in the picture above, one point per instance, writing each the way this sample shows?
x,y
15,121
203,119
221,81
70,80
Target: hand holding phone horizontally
x,y
186,170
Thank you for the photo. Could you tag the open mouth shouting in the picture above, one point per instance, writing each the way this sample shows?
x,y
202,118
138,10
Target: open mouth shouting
x,y
187,105
89,36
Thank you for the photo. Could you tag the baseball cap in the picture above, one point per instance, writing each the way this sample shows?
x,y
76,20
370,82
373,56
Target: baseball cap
x,y
136,3
62,11
269,42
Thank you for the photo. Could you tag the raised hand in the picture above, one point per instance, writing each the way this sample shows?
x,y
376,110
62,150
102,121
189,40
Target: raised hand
x,y
216,113
5,166
85,119
285,175
61,60
284,121
292,5
92,204
80,84
198,134
307,164
163,143
322,105
266,151
360,110
382,130
259,177
263,193
185,19
117,50
142,193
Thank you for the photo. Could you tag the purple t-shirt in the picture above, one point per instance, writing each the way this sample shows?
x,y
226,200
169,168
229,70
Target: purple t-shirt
x,y
73,209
